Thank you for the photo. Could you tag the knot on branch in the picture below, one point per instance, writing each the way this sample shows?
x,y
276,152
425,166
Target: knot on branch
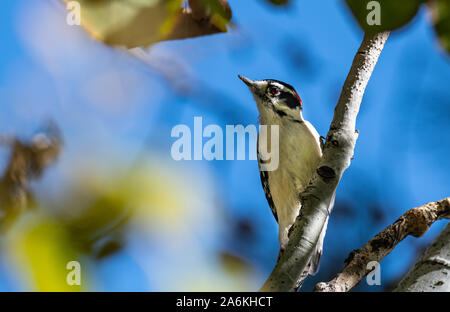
x,y
324,287
341,138
419,220
443,209
350,256
385,241
326,173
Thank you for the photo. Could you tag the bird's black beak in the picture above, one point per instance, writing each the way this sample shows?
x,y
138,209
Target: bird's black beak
x,y
248,82
257,87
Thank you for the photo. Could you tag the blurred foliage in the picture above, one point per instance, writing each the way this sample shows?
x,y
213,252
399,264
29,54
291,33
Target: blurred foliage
x,y
97,223
43,249
133,23
233,264
27,162
395,14
440,11
90,221
97,229
128,22
217,11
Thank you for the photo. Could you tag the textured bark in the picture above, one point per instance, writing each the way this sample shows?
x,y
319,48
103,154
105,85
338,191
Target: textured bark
x,y
432,271
415,222
337,153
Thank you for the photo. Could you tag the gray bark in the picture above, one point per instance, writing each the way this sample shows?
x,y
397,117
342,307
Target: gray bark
x,y
432,272
415,222
337,153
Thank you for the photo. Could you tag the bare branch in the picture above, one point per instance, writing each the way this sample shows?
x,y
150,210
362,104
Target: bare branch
x,y
415,222
337,153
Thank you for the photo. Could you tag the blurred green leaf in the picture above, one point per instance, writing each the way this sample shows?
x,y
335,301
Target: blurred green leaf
x,y
129,22
440,12
133,23
233,264
393,14
107,214
109,248
217,11
43,250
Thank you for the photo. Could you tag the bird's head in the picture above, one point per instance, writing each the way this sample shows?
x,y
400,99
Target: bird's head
x,y
274,95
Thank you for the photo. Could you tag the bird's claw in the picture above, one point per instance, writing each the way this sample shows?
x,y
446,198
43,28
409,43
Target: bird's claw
x,y
322,142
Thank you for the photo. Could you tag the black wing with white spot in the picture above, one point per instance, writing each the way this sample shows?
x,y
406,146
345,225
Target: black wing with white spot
x,y
264,175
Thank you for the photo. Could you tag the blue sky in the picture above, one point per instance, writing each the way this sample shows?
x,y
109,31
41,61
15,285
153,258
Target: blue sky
x,y
113,107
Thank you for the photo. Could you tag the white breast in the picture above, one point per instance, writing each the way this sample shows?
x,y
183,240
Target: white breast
x,y
299,156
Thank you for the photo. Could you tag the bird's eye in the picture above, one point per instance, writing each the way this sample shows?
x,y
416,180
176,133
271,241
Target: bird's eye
x,y
274,91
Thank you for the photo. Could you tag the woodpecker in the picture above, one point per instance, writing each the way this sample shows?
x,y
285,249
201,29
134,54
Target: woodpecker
x,y
299,155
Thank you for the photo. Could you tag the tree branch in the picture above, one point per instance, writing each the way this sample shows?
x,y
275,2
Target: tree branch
x,y
337,153
432,271
415,222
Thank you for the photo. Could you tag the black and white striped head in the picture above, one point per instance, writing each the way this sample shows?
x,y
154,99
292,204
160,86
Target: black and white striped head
x,y
276,96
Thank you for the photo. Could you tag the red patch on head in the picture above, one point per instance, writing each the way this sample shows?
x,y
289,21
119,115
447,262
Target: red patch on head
x,y
296,95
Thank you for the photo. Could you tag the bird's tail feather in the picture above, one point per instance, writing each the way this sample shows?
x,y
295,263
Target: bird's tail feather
x,y
317,255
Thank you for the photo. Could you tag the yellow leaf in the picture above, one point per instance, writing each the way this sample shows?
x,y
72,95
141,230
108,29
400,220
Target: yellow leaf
x,y
128,22
43,251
